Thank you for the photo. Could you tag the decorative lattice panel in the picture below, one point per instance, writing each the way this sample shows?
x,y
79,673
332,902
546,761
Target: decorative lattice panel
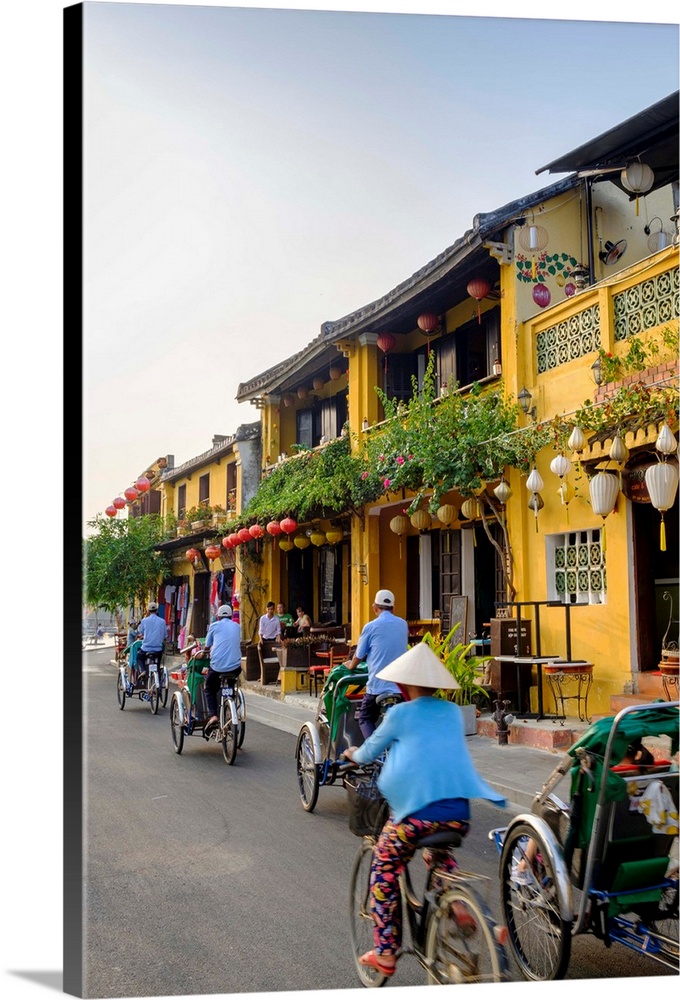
x,y
579,570
574,337
646,305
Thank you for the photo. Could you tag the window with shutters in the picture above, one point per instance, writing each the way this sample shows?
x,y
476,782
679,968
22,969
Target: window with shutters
x,y
204,489
181,501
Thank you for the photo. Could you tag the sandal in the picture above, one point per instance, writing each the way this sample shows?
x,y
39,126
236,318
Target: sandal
x,y
371,959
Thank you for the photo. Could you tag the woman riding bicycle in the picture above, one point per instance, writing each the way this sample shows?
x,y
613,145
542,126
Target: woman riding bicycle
x,y
427,779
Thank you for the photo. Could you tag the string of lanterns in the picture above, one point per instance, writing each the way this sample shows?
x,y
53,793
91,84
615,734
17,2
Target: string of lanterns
x,y
132,493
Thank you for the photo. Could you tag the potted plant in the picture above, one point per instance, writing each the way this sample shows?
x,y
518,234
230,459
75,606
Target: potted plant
x,y
467,668
294,652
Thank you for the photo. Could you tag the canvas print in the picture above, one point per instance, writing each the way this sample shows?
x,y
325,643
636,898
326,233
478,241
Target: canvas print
x,y
373,658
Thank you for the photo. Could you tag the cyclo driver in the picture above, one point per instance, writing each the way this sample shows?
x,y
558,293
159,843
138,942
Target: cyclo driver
x,y
224,642
153,631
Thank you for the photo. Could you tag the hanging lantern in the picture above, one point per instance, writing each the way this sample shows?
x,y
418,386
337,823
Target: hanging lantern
x,y
447,513
534,481
665,442
637,178
470,508
334,535
560,465
288,399
288,525
604,489
334,372
566,492
274,528
118,503
317,538
421,520
142,485
302,392
577,439
244,535
301,541
131,494
533,239
478,288
192,554
502,492
227,542
427,322
212,551
386,341
111,510
235,539
662,485
400,525
256,531
618,451
541,295
286,544
318,383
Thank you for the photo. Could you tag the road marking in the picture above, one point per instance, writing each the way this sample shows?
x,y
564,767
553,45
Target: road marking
x,y
158,797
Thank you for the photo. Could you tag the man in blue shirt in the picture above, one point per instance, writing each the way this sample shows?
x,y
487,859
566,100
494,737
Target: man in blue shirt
x,y
224,642
153,631
381,641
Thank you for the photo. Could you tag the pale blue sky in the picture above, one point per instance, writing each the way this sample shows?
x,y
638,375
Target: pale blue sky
x,y
253,173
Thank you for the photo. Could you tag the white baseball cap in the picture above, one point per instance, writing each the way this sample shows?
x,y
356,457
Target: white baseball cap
x,y
224,611
384,599
419,666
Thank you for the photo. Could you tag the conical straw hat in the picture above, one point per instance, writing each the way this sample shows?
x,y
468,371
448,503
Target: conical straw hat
x,y
419,666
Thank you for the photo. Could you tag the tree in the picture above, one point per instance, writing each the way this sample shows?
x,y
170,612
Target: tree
x,y
120,564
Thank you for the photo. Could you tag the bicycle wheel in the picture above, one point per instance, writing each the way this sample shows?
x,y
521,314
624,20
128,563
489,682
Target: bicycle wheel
x,y
241,709
666,920
152,688
229,732
120,691
176,726
307,771
360,920
540,938
163,687
460,941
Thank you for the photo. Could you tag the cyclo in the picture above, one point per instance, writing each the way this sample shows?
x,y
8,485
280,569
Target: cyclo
x,y
605,863
154,690
189,713
320,744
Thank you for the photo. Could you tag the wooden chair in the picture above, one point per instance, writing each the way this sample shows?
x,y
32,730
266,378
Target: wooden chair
x,y
337,652
269,662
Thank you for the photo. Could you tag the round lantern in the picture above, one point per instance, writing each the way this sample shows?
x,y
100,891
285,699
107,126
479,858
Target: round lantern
x,y
192,554
334,535
317,538
400,525
286,544
301,541
536,503
227,542
235,539
118,503
142,484
256,531
427,322
318,383
478,288
604,489
618,451
244,535
533,238
212,551
502,492
288,399
541,295
131,494
302,392
334,372
288,525
665,442
560,465
470,508
446,513
662,485
637,178
386,342
534,481
111,510
577,439
421,520
274,528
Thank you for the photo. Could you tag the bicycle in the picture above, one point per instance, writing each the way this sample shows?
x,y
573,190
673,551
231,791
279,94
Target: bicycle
x,y
453,934
189,713
157,682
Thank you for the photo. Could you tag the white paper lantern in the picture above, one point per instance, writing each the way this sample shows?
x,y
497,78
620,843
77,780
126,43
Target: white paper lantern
x,y
535,481
503,491
618,451
662,485
577,439
637,177
665,442
604,489
560,465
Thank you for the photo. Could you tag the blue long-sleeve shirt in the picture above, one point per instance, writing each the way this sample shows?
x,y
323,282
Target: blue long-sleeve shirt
x,y
428,759
382,641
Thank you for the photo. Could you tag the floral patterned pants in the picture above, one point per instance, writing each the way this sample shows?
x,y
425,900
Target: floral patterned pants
x,y
393,850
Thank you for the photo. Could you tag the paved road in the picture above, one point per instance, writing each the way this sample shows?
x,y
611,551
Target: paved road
x,y
205,878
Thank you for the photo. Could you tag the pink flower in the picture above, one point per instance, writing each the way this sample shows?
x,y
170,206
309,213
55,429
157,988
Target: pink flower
x,y
386,483
381,458
364,475
400,460
410,456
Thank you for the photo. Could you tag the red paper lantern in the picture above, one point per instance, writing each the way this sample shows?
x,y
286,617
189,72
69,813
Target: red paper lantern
x,y
427,322
479,288
119,503
227,542
235,539
212,551
244,535
288,525
111,510
142,484
192,554
541,296
274,528
386,342
131,494
256,531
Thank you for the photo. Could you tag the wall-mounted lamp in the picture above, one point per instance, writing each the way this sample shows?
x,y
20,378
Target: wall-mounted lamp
x,y
524,398
660,239
596,369
365,424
